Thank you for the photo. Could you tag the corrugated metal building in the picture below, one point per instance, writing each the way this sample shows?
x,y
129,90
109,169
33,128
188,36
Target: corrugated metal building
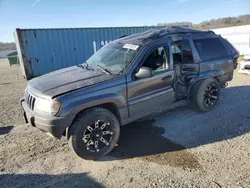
x,y
239,36
44,50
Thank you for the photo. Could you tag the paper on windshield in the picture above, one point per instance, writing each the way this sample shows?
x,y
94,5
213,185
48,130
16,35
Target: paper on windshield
x,y
131,46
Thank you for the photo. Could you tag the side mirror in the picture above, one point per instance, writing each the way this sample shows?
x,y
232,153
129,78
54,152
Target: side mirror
x,y
144,72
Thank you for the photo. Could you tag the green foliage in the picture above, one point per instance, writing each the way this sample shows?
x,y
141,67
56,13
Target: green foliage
x,y
211,24
214,23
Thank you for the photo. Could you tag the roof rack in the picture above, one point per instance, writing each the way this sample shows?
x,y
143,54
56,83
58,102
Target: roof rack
x,y
176,30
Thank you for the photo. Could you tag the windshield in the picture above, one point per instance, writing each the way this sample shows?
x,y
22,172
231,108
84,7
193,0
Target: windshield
x,y
114,57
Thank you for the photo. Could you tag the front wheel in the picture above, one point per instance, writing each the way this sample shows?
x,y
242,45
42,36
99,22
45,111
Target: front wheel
x,y
94,133
205,94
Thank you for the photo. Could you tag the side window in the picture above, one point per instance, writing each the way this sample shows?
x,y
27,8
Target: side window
x,y
187,53
210,48
182,52
158,59
176,51
176,47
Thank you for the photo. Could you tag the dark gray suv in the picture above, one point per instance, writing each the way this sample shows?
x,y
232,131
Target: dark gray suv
x,y
129,79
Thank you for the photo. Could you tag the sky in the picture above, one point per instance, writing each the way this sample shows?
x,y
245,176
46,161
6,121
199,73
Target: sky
x,y
105,13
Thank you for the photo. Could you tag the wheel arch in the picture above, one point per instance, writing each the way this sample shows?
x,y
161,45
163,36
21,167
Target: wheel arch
x,y
200,78
112,107
198,91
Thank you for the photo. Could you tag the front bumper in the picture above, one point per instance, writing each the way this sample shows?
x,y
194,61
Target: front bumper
x,y
53,125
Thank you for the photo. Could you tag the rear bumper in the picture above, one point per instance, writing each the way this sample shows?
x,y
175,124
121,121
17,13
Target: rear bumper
x,y
53,125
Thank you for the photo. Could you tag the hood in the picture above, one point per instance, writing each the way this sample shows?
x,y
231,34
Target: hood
x,y
67,79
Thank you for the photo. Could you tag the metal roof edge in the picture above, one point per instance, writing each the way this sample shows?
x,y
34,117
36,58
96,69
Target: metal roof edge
x,y
66,28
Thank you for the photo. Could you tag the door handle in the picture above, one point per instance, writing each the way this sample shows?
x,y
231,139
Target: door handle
x,y
189,69
169,77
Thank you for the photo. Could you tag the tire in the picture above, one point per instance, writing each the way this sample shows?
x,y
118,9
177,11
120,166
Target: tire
x,y
81,133
201,98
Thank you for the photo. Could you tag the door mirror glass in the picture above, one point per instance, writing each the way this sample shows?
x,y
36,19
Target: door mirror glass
x,y
144,72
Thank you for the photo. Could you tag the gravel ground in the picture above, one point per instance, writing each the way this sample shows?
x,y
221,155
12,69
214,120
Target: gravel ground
x,y
181,148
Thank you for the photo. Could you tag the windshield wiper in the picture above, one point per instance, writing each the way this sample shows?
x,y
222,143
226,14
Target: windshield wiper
x,y
104,69
84,65
121,71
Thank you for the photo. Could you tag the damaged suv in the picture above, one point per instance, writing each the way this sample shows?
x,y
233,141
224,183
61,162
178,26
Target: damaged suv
x,y
128,79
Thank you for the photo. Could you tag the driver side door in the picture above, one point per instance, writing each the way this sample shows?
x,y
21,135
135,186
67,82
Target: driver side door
x,y
151,94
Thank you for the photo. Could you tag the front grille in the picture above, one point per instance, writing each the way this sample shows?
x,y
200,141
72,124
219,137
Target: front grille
x,y
30,100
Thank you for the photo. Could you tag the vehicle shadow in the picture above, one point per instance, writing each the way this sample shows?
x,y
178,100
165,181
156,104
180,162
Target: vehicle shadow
x,y
166,138
142,139
5,130
47,180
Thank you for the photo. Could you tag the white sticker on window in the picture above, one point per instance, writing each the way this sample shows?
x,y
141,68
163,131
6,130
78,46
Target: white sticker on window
x,y
131,46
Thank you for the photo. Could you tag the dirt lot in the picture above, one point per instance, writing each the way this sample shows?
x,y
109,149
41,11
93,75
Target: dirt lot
x,y
182,148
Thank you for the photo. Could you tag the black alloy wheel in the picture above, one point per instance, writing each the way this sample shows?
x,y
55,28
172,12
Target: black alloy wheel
x,y
205,94
97,136
94,133
211,95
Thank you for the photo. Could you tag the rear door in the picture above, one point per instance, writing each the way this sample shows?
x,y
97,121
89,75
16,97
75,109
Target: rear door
x,y
185,59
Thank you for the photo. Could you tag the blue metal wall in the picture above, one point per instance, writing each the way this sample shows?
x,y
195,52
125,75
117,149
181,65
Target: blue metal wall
x,y
46,50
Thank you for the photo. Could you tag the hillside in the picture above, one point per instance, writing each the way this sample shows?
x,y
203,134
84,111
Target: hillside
x,y
210,24
215,23
7,46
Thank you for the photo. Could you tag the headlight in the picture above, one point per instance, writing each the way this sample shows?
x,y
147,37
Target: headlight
x,y
47,106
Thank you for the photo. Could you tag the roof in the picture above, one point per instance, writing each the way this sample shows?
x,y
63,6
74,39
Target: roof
x,y
138,37
181,30
4,54
153,34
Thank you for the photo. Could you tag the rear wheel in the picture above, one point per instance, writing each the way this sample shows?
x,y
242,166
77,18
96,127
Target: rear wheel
x,y
205,94
94,133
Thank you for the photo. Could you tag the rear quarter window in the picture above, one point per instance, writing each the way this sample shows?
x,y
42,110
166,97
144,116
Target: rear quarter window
x,y
230,48
210,48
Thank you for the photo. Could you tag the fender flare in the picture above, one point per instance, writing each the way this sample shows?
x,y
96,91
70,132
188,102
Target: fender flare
x,y
213,74
82,103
